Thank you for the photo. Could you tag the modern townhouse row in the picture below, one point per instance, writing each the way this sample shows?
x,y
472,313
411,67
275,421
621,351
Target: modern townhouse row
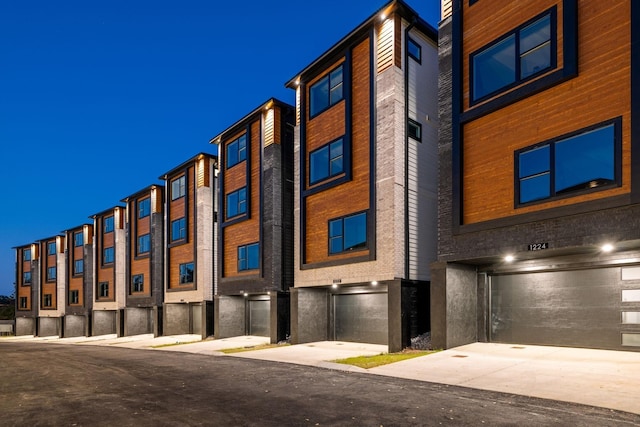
x,y
477,182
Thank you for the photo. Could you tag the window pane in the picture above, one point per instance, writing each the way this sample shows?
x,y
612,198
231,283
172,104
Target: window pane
x,y
144,208
335,228
253,256
319,165
232,154
535,188
494,68
355,232
242,148
335,245
242,200
232,204
534,161
535,60
414,50
77,239
585,161
319,94
535,34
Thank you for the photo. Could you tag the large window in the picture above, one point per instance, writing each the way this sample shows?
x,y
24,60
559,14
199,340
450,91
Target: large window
x,y
51,273
47,300
327,161
108,256
138,283
237,151
26,255
78,267
518,56
178,188
74,297
108,224
77,239
582,161
26,278
179,229
237,202
103,290
326,92
348,233
248,257
51,248
144,208
144,244
186,273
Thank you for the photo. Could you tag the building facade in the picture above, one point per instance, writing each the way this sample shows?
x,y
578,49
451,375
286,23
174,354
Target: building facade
x,y
539,175
255,244
366,183
78,272
190,216
51,260
27,285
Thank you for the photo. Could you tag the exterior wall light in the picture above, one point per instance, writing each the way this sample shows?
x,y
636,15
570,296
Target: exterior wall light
x,y
383,16
374,283
334,286
509,258
608,247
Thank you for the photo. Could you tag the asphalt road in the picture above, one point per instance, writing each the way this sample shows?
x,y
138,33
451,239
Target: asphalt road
x,y
72,385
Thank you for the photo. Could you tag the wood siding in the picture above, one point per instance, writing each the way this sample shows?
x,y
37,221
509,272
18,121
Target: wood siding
x,y
105,273
76,283
600,92
182,253
140,264
48,286
23,291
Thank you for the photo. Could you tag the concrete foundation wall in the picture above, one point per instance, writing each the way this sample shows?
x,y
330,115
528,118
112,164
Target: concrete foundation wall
x,y
75,326
176,318
309,315
49,326
229,312
138,321
104,322
25,326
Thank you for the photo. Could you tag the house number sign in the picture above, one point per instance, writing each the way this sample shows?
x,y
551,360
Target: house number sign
x,y
538,246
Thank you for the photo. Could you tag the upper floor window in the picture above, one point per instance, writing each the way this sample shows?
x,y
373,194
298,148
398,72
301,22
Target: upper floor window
x,y
237,151
186,273
248,257
51,248
144,208
178,187
348,233
516,57
144,243
579,162
74,297
108,224
415,130
78,239
51,273
78,267
26,255
138,283
23,302
326,92
103,290
108,255
237,202
326,161
414,50
178,229
26,278
47,300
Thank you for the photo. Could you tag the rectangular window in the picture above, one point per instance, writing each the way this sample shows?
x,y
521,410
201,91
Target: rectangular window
x,y
51,273
237,151
248,257
519,55
415,130
26,278
348,233
23,302
26,255
414,50
237,202
326,92
74,297
144,208
179,229
78,240
103,290
108,224
144,244
46,300
178,188
138,283
108,255
583,161
326,162
51,248
186,273
78,267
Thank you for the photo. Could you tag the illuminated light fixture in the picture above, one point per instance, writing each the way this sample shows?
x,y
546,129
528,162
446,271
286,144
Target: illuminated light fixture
x,y
246,294
334,286
509,258
374,283
383,16
608,247
297,82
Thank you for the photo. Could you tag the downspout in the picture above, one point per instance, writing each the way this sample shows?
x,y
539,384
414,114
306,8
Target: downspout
x,y
406,147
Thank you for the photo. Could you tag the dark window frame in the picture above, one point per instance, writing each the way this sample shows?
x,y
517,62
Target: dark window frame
x,y
181,188
78,239
248,265
239,149
411,42
52,274
110,250
140,247
144,207
137,286
74,296
182,229
327,77
26,255
102,290
47,300
26,278
184,274
109,224
330,159
413,124
51,248
239,205
342,235
24,303
77,262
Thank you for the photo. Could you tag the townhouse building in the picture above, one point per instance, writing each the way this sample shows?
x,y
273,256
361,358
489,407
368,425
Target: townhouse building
x,y
144,269
190,216
539,238
27,279
366,183
52,274
109,260
255,244
79,273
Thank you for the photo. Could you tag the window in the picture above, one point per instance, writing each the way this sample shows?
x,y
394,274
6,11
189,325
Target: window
x,y
108,255
583,161
326,161
520,55
415,130
51,248
348,233
23,302
26,278
186,273
26,255
108,224
144,208
74,297
78,267
77,239
103,290
326,92
51,273
237,202
248,257
414,50
178,229
144,244
138,283
46,300
237,151
178,188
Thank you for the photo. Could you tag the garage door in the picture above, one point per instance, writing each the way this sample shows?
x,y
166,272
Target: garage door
x,y
259,318
571,308
361,318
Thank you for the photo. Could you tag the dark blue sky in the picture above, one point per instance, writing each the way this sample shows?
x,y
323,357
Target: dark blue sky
x,y
99,98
